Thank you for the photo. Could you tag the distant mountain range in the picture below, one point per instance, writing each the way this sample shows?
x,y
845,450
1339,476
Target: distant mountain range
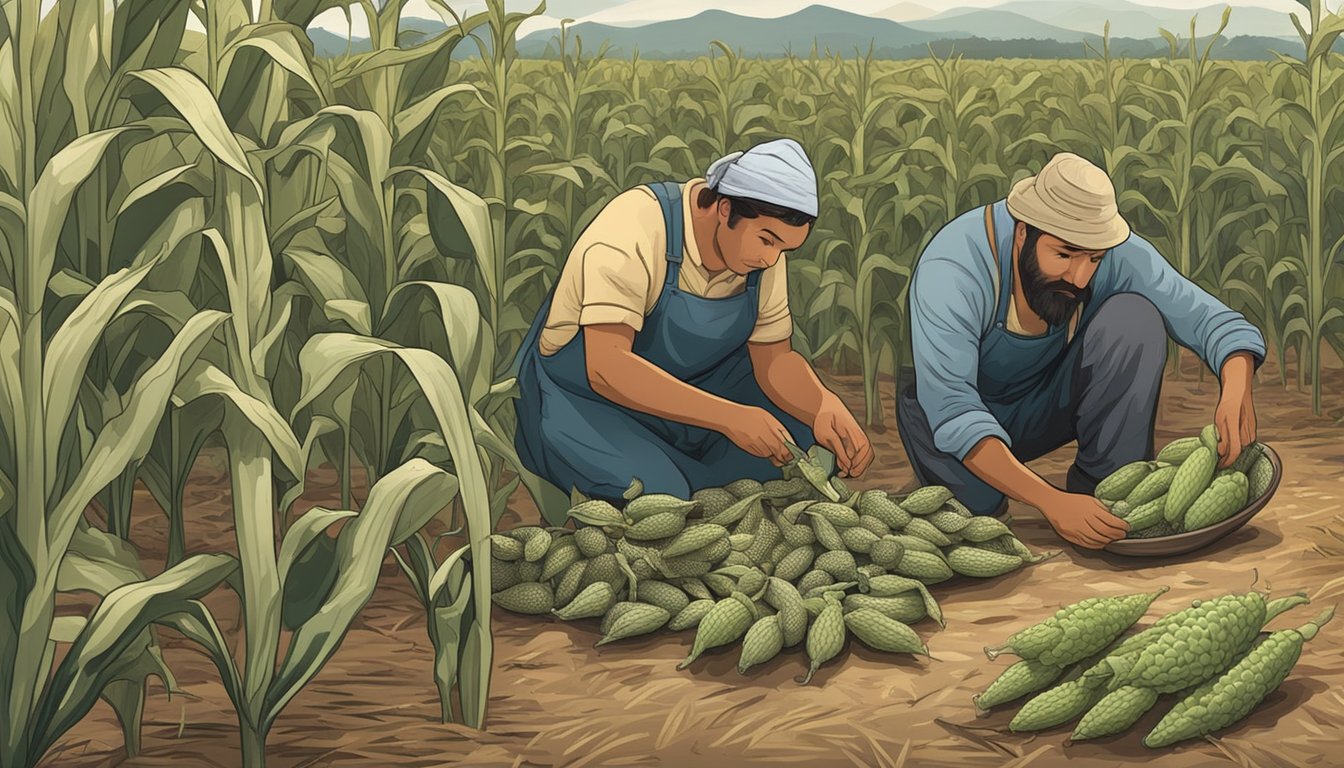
x,y
1046,29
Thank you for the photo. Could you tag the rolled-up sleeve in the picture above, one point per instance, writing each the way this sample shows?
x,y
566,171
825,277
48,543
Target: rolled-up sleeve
x,y
948,302
1194,318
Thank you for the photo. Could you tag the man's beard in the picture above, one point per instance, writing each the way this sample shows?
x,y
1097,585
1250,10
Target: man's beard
x,y
1054,301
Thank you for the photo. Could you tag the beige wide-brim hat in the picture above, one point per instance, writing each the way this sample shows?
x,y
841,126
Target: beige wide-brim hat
x,y
1073,200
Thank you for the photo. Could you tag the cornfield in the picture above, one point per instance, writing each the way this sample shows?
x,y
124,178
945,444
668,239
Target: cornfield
x,y
220,238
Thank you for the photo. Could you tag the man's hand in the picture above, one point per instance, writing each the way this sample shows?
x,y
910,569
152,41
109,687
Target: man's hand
x,y
836,429
1083,520
1235,416
1077,517
759,433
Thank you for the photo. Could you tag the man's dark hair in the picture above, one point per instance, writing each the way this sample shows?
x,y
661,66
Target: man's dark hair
x,y
1033,234
748,208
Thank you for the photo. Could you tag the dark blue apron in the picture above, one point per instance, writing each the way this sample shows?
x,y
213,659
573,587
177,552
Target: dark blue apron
x,y
1024,380
576,439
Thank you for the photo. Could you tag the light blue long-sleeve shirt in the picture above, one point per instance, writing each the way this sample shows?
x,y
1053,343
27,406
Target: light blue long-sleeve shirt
x,y
953,303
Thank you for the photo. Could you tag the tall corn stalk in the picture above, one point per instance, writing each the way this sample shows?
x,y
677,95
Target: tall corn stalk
x,y
59,461
1185,108
1315,120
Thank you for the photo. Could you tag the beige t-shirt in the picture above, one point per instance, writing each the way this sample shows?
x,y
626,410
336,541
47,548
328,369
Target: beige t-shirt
x,y
616,271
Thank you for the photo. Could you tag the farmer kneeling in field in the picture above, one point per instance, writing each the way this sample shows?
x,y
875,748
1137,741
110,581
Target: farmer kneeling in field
x,y
663,352
1040,320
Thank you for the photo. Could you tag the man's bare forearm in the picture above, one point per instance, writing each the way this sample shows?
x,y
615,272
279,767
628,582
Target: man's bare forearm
x,y
789,382
1237,373
993,463
633,382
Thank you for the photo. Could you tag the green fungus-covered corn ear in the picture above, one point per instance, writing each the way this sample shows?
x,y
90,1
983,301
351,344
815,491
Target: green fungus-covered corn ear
x,y
1122,481
1115,712
1023,678
713,501
592,541
725,623
981,564
1191,479
883,633
691,615
907,608
878,504
599,513
926,500
982,528
639,620
1225,497
1152,487
762,643
825,637
1239,689
1147,516
529,597
652,504
1179,450
928,568
1079,630
1057,705
505,548
1188,652
590,603
1260,476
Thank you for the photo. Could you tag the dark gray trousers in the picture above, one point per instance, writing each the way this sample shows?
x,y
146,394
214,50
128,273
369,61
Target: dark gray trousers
x,y
1105,399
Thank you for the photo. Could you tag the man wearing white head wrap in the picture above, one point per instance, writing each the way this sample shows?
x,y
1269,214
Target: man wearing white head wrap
x,y
664,351
1041,320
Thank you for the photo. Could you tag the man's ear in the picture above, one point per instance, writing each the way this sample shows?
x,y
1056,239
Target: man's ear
x,y
1019,234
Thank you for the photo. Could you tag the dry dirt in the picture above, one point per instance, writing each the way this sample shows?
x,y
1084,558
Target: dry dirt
x,y
556,701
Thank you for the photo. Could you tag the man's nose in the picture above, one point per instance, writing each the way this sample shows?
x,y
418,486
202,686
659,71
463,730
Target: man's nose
x,y
1079,275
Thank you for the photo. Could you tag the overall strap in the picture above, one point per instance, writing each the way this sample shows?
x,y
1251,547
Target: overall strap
x,y
669,199
754,287
1001,268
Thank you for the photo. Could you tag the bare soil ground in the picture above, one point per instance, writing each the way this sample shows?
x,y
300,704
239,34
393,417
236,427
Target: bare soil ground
x,y
557,701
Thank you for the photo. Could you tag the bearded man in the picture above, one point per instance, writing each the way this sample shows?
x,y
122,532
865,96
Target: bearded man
x,y
1041,320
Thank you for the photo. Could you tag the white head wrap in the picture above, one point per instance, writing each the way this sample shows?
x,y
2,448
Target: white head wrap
x,y
774,172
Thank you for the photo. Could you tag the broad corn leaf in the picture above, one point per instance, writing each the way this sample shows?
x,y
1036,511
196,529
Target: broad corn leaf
x,y
415,490
412,127
114,627
55,188
153,184
467,333
71,347
193,100
301,534
202,379
287,45
97,562
126,437
468,215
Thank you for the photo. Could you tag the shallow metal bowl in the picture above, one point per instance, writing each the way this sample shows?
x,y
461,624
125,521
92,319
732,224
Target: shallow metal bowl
x,y
1181,543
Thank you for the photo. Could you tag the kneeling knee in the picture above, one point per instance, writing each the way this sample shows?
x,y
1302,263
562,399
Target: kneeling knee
x,y
1130,321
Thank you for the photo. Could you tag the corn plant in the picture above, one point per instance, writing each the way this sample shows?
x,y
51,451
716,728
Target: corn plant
x,y
67,459
1315,123
499,92
1184,103
958,151
724,108
853,256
